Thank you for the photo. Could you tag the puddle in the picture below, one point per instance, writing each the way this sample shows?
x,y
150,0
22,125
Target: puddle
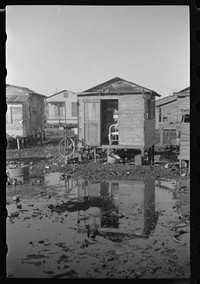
x,y
97,230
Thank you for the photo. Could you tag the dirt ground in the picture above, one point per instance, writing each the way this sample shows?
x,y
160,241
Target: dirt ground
x,y
109,255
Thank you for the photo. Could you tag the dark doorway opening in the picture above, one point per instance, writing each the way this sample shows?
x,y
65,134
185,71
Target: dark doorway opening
x,y
107,110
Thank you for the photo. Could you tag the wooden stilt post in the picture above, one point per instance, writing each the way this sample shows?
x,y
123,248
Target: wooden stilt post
x,y
152,155
108,153
161,135
180,165
67,145
149,155
79,152
188,167
95,155
19,150
139,158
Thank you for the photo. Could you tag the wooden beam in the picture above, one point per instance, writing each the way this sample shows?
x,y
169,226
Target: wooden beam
x,y
19,151
121,147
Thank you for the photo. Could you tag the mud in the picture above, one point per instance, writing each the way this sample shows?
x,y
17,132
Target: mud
x,y
97,220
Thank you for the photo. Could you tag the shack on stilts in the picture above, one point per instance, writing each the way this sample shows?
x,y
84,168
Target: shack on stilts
x,y
25,114
183,125
118,114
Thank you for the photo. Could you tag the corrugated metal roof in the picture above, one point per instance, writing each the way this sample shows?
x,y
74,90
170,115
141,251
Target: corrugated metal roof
x,y
165,100
118,85
18,94
185,91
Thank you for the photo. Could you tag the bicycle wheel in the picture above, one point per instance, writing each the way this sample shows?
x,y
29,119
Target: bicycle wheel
x,y
66,147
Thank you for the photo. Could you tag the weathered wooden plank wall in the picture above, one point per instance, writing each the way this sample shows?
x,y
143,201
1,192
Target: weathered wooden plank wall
x,y
89,120
183,107
134,126
168,111
185,141
14,119
131,119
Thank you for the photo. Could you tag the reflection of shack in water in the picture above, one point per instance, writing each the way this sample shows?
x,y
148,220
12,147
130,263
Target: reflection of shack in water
x,y
111,206
182,193
137,199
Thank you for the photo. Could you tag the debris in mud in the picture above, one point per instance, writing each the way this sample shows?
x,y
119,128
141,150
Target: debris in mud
x,y
12,210
34,256
16,198
63,258
153,270
128,227
70,274
48,272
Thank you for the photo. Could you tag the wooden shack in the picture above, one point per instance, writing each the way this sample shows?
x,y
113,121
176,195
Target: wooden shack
x,y
135,109
166,112
25,112
166,120
183,125
61,109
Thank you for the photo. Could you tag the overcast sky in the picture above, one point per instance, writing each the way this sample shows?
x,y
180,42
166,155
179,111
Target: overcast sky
x,y
52,48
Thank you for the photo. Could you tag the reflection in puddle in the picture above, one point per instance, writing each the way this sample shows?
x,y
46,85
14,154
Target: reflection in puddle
x,y
104,204
84,223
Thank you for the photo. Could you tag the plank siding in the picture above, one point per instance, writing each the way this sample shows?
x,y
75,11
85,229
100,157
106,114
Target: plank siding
x,y
14,123
185,142
89,121
26,120
29,105
131,119
135,105
168,111
92,123
183,106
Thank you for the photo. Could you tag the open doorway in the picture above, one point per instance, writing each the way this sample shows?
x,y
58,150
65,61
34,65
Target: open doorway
x,y
107,119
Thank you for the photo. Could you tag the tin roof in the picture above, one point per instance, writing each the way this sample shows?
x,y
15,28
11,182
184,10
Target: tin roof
x,y
18,94
165,100
185,91
117,86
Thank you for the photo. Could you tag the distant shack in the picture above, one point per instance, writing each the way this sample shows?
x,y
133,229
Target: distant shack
x,y
61,109
166,112
25,113
118,114
183,125
166,120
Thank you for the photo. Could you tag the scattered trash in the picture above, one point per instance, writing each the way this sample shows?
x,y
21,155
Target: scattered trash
x,y
153,270
62,176
16,198
168,165
112,159
12,210
178,241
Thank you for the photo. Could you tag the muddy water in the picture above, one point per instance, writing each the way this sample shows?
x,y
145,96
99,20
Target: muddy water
x,y
134,224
